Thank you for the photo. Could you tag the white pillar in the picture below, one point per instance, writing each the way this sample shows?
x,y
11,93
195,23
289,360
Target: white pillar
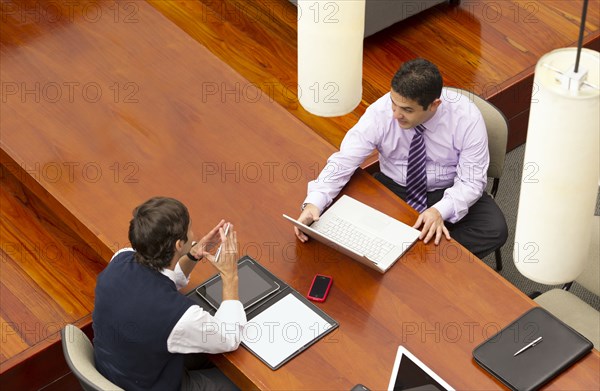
x,y
330,55
561,170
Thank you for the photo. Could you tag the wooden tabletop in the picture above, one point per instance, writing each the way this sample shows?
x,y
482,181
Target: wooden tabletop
x,y
106,111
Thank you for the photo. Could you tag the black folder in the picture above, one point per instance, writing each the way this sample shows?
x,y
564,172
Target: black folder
x,y
284,295
559,348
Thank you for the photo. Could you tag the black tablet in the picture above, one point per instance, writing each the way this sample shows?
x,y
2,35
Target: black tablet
x,y
411,374
254,286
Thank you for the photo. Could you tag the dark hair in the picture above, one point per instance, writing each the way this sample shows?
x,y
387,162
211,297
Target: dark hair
x,y
418,80
156,227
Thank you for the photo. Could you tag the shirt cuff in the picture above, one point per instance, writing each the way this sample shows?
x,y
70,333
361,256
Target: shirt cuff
x,y
317,199
446,208
231,311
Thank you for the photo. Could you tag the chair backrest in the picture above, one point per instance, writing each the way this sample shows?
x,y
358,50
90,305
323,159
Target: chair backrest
x,y
497,129
590,278
79,354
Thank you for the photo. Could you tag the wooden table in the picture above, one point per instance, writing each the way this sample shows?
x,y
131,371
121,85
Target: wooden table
x,y
107,112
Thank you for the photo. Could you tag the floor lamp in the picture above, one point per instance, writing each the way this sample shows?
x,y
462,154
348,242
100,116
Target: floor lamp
x,y
561,166
330,55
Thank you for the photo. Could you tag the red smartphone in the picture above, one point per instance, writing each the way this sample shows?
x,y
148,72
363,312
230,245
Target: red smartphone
x,y
319,288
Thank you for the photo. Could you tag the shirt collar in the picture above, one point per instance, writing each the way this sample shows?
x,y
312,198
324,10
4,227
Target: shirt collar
x,y
168,273
432,123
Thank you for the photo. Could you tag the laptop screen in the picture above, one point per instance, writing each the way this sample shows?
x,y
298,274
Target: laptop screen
x,y
410,373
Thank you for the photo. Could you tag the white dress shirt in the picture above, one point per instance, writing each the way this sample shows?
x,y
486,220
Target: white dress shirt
x,y
455,143
197,331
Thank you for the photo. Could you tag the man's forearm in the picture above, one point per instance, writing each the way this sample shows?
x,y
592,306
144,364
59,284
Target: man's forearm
x,y
230,287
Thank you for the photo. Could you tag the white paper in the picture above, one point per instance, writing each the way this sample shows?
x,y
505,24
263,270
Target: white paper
x,y
283,329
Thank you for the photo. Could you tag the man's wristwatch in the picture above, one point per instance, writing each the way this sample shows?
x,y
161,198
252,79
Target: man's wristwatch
x,y
303,206
193,258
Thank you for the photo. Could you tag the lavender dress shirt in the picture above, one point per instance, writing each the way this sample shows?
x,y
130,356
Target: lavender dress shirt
x,y
455,143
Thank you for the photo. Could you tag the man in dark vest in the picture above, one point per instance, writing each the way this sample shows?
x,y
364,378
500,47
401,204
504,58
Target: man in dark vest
x,y
144,329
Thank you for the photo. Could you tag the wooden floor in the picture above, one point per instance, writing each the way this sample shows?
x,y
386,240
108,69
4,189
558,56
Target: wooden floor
x,y
48,274
487,46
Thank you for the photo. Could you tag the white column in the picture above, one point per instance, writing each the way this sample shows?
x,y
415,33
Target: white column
x,y
561,170
330,55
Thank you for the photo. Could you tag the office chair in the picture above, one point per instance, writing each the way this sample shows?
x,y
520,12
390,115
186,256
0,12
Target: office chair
x,y
79,354
497,130
571,309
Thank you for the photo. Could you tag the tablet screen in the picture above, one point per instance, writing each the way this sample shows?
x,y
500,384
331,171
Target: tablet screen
x,y
254,285
410,373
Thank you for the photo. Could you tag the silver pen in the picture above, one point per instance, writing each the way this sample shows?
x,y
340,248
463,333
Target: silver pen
x,y
530,345
221,246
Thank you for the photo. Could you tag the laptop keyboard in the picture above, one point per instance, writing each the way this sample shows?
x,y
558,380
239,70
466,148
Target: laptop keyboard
x,y
350,236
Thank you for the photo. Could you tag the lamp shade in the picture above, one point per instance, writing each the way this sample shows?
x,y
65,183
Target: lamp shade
x,y
560,171
330,55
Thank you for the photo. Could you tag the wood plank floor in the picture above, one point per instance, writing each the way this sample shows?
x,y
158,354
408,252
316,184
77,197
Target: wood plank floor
x,y
487,46
48,274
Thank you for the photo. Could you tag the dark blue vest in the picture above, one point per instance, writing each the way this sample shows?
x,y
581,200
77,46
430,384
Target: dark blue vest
x,y
135,310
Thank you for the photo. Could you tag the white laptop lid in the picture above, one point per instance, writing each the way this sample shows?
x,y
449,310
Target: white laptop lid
x,y
367,219
409,373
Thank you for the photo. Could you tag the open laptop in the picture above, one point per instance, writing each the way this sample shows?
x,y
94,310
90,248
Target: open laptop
x,y
409,373
362,233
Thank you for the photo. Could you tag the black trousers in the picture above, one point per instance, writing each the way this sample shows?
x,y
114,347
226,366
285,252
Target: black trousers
x,y
481,231
200,374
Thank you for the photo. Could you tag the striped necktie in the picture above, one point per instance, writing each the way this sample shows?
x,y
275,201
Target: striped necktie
x,y
416,175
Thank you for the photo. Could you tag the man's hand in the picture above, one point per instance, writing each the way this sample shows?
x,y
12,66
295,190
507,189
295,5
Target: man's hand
x,y
433,224
227,263
308,215
211,239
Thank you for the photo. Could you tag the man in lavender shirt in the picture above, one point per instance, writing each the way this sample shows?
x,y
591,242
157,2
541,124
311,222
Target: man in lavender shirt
x,y
457,160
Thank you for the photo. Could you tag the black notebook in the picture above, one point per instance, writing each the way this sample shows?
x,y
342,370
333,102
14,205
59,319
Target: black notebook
x,y
531,350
